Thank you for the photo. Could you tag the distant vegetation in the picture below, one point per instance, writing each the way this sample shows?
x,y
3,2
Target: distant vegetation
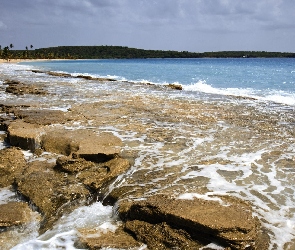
x,y
120,52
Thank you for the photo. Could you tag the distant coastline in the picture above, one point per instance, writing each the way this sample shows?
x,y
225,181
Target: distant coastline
x,y
121,52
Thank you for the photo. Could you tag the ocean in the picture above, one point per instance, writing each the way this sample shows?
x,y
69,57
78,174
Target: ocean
x,y
229,131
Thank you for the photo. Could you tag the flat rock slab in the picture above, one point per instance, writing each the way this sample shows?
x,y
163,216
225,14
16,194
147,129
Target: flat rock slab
x,y
12,163
230,224
84,143
14,214
42,117
25,135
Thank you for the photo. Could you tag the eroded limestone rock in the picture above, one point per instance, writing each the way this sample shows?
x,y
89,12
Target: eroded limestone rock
x,y
93,175
25,135
82,144
97,177
52,192
230,224
12,163
162,236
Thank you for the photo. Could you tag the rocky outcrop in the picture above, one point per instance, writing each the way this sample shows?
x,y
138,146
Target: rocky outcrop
x,y
25,135
175,86
98,176
82,144
162,236
52,192
12,164
18,88
230,224
93,175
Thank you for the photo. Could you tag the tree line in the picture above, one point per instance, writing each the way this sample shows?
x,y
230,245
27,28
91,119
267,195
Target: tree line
x,y
122,52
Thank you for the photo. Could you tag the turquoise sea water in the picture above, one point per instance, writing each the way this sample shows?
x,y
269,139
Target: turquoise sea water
x,y
262,78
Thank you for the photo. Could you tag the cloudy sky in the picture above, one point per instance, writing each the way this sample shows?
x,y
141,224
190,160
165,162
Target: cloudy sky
x,y
190,25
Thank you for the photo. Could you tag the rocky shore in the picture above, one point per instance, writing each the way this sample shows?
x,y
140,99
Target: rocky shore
x,y
86,163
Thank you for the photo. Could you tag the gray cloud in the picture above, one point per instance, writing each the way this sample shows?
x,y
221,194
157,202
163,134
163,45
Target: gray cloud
x,y
194,25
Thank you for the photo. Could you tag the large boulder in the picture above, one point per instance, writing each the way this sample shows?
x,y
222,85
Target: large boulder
x,y
12,164
229,223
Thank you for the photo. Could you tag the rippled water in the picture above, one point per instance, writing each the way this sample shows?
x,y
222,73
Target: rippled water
x,y
183,143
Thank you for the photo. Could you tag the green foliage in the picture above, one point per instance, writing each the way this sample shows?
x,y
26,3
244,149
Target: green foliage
x,y
121,52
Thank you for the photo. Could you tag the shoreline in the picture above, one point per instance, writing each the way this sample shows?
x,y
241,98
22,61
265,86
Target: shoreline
x,y
170,155
29,60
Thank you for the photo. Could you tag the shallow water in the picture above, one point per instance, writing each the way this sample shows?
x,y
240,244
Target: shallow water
x,y
182,143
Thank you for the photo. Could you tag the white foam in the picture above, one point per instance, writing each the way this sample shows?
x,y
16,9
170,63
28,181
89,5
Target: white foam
x,y
6,195
277,96
191,196
65,232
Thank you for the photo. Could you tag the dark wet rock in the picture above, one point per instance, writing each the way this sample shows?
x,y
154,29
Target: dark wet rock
x,y
11,108
95,239
162,236
95,78
85,77
230,224
19,88
174,86
42,117
50,191
70,165
14,214
25,135
12,163
97,177
58,74
38,71
121,192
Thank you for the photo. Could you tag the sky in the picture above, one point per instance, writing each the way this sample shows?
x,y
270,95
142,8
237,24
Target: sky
x,y
181,25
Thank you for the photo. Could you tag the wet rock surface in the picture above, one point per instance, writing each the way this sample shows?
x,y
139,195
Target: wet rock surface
x,y
18,88
230,224
12,164
14,214
119,239
168,150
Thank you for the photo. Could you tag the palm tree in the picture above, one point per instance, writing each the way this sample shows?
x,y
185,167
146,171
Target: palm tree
x,y
6,53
